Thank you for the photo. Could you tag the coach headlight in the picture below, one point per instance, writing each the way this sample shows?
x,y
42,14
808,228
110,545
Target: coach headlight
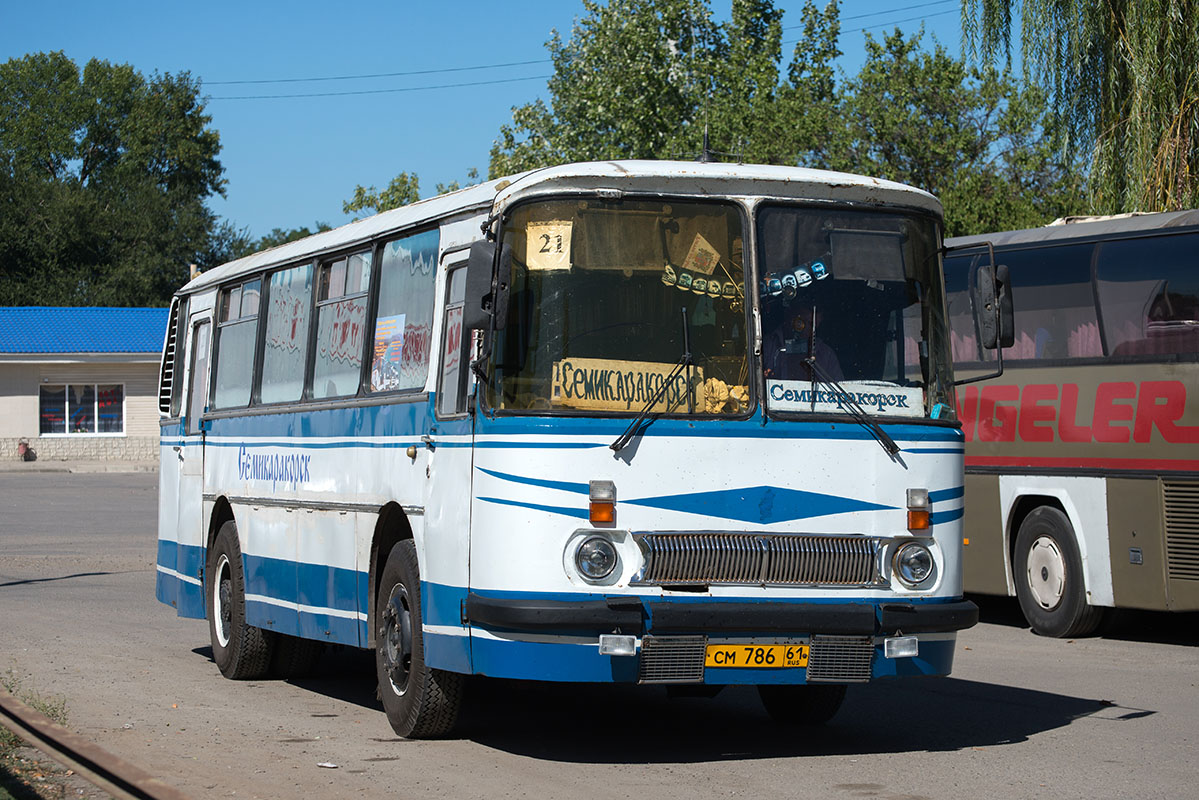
x,y
595,558
913,564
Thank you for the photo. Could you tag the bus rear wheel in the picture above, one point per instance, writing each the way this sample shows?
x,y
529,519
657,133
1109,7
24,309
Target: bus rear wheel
x,y
805,704
241,651
1048,577
421,702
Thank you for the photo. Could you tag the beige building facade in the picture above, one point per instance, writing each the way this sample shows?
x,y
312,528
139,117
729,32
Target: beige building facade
x,y
83,405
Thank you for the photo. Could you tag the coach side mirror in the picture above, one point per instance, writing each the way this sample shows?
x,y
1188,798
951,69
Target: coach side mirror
x,y
993,304
487,286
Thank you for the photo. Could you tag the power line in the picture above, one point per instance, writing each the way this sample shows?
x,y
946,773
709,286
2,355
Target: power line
x,y
511,64
381,91
882,13
379,74
444,70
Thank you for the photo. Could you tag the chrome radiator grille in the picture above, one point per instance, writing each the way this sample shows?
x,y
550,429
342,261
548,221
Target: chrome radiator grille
x,y
1182,529
769,559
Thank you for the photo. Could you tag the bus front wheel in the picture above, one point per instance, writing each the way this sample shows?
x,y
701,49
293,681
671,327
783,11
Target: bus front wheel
x,y
241,651
805,704
1049,579
421,702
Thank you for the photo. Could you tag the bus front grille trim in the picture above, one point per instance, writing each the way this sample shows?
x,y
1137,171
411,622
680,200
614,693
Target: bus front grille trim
x,y
672,659
1181,501
840,659
765,559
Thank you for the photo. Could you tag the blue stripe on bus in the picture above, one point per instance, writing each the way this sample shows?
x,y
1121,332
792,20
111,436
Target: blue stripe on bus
x,y
762,504
942,495
942,517
580,488
577,661
415,418
578,513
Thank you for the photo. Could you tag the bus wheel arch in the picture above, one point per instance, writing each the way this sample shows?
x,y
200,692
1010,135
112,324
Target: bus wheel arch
x,y
391,528
1047,570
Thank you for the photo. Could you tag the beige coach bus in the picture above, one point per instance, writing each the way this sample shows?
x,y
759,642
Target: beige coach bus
x,y
1082,457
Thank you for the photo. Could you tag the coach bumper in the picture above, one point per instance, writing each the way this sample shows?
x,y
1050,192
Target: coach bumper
x,y
632,615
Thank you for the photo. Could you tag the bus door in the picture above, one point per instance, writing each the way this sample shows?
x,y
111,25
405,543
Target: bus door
x,y
449,448
190,522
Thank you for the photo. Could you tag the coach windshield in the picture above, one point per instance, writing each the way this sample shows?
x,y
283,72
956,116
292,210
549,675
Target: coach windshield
x,y
853,307
607,296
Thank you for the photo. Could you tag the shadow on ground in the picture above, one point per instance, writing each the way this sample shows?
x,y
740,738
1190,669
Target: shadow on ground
x,y
1118,624
601,723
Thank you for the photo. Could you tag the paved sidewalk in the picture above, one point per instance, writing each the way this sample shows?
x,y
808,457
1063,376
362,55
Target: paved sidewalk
x,y
11,465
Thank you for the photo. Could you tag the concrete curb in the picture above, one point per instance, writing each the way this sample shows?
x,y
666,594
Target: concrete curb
x,y
76,467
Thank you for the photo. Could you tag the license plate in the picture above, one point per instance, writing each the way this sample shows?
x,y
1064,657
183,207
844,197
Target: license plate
x,y
756,656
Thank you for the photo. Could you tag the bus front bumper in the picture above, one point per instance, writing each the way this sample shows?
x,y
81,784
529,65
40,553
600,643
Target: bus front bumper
x,y
632,615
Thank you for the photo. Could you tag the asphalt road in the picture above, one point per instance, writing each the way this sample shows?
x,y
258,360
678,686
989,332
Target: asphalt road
x,y
1111,716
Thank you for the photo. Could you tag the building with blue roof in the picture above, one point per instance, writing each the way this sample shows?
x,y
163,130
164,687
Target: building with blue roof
x,y
80,383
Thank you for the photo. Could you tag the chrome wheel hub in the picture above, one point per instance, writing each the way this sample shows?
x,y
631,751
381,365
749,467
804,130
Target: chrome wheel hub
x,y
222,600
1046,573
397,639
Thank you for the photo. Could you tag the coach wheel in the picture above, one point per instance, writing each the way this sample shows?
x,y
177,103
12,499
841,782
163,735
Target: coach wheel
x,y
807,704
1049,579
421,702
241,651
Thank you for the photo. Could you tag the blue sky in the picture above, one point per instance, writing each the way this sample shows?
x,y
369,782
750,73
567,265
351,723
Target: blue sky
x,y
290,162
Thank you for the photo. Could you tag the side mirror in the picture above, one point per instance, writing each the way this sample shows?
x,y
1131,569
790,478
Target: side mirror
x,y
487,286
993,301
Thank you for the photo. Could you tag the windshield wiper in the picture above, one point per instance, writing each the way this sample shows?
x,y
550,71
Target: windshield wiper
x,y
685,363
846,399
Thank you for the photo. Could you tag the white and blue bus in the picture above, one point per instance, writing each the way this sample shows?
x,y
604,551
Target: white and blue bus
x,y
643,422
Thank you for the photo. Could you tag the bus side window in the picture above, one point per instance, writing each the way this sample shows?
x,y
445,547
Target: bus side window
x,y
1149,292
403,324
237,332
285,352
1055,303
962,334
341,325
452,383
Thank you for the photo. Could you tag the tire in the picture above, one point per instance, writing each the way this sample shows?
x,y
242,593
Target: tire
x,y
421,702
295,657
805,704
241,651
1047,571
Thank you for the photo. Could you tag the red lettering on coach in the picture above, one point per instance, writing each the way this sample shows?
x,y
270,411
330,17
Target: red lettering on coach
x,y
997,423
1121,412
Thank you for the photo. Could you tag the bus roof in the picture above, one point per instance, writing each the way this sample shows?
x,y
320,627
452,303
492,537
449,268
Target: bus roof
x,y
1084,228
666,177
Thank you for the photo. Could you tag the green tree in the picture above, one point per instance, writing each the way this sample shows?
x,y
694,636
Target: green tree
x,y
402,190
629,83
976,138
279,236
103,178
1125,76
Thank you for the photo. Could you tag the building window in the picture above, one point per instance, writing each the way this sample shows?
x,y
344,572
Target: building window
x,y
82,408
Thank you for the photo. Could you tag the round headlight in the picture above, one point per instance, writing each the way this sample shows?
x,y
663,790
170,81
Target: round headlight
x,y
913,563
595,558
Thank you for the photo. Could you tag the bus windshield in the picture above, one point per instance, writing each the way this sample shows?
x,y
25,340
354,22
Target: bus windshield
x,y
606,297
853,305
